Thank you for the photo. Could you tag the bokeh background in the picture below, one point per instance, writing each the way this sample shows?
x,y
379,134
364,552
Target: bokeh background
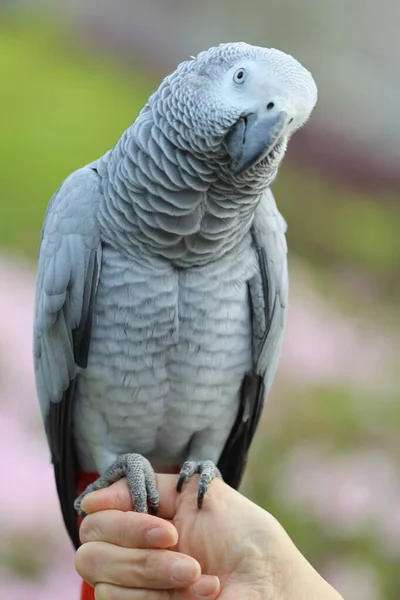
x,y
326,458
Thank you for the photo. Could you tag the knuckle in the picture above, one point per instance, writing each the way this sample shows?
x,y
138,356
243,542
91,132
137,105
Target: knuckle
x,y
86,561
161,595
103,591
128,530
154,595
133,529
123,500
88,530
150,566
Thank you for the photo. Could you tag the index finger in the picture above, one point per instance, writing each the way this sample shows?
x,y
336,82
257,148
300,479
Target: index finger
x,y
128,530
117,497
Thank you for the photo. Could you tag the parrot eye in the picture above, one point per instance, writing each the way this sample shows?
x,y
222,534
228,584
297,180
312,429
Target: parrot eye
x,y
239,76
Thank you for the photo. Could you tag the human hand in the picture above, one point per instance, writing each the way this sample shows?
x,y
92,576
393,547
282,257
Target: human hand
x,y
231,538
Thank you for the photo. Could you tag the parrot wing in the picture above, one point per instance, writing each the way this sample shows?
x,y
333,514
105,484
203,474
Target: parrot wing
x,y
68,273
268,295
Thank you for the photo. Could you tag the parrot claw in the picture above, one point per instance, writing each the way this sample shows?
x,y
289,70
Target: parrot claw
x,y
207,471
141,481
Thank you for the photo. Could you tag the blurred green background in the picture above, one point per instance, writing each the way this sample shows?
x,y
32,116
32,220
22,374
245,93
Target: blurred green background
x,y
325,461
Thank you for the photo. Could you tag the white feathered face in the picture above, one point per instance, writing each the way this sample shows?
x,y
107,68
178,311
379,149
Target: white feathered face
x,y
245,99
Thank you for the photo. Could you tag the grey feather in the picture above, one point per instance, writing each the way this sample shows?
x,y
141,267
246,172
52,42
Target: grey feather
x,y
70,248
269,311
68,272
268,292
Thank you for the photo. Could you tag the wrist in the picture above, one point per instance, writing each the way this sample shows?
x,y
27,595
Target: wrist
x,y
281,570
294,578
302,582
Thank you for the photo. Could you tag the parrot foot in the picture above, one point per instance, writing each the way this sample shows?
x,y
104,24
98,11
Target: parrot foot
x,y
141,481
207,471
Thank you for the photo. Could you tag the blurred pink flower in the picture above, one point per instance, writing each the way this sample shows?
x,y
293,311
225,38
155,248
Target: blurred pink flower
x,y
62,583
346,494
322,346
17,390
25,462
28,502
353,579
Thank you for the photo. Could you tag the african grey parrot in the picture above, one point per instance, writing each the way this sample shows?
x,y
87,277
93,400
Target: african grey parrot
x,y
162,281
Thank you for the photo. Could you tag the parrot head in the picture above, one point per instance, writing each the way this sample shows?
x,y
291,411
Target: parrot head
x,y
239,104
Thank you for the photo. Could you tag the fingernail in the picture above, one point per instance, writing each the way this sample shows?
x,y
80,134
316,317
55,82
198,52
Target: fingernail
x,y
83,503
185,571
162,538
207,585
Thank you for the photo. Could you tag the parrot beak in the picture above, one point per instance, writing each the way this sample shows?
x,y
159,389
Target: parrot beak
x,y
253,137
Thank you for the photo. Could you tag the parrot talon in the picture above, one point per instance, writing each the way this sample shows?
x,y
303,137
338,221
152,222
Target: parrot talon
x,y
181,481
140,478
200,496
207,471
77,506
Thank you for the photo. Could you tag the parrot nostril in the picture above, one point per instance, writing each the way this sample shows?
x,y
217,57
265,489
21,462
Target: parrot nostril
x,y
270,105
291,120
